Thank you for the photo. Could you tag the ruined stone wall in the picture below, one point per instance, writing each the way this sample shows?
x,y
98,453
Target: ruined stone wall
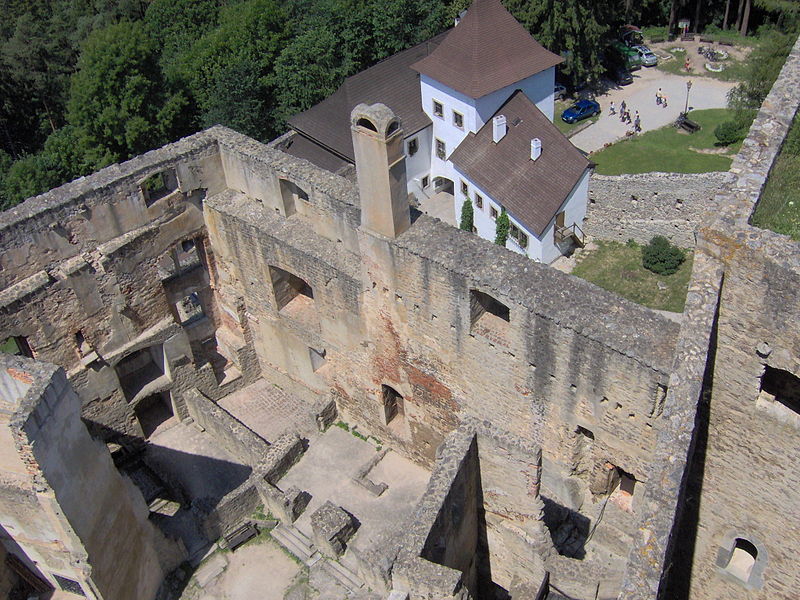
x,y
740,479
108,545
82,269
637,207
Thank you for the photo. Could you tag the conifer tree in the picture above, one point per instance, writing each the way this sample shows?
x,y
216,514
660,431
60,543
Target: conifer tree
x,y
467,215
502,225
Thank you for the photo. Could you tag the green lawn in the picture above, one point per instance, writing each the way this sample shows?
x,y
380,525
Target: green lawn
x,y
618,268
779,206
9,346
734,69
566,128
669,150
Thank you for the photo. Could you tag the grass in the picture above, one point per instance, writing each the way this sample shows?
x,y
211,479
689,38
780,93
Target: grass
x,y
779,206
669,150
9,346
734,69
566,128
618,268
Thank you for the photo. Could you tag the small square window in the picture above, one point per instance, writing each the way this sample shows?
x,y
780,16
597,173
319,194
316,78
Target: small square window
x,y
426,181
478,201
518,235
441,150
413,146
458,120
464,187
493,212
438,109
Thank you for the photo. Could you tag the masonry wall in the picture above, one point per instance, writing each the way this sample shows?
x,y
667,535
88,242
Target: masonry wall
x,y
638,207
107,545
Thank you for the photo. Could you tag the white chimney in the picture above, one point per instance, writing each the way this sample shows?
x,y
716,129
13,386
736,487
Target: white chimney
x,y
536,148
498,128
459,17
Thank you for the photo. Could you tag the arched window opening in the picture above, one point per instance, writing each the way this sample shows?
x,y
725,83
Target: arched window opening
x,y
393,126
742,560
367,124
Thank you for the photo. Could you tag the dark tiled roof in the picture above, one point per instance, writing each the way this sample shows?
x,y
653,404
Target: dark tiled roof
x,y
485,52
531,191
302,147
391,82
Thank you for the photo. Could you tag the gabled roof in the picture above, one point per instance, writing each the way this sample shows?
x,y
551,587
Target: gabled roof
x,y
391,82
531,191
487,51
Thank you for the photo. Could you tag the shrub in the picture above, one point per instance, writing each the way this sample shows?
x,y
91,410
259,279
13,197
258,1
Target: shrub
x,y
727,133
661,257
501,232
467,215
631,243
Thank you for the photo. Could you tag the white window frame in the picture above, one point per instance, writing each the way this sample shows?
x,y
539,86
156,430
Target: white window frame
x,y
455,124
436,103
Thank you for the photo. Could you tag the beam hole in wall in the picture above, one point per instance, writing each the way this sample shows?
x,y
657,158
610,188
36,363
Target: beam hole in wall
x,y
159,185
293,296
18,345
393,404
488,316
780,394
743,559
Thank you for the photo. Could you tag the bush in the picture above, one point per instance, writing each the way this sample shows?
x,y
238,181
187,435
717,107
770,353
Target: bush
x,y
661,257
502,226
727,133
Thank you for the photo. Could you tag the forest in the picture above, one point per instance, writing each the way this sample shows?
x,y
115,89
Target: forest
x,y
86,83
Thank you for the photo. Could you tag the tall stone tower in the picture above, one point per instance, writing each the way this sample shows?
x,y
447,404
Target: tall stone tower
x,y
381,170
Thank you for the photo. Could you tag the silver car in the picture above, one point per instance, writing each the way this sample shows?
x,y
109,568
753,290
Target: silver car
x,y
648,58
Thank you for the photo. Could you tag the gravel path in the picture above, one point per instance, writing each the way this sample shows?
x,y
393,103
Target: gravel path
x,y
640,95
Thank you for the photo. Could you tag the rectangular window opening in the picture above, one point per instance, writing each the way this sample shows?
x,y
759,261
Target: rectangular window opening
x,y
488,316
392,404
441,149
413,146
478,201
189,309
159,185
493,212
781,389
464,188
426,181
438,109
17,345
458,119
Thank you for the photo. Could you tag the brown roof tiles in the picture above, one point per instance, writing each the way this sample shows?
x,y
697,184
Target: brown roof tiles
x,y
531,191
487,51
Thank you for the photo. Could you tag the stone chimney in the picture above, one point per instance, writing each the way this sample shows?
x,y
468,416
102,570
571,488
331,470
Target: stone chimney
x,y
499,128
381,170
536,148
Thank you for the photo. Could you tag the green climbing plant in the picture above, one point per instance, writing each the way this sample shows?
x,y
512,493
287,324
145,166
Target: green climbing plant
x,y
502,226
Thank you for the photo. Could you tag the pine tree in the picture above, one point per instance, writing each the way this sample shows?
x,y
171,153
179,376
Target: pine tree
x,y
467,215
502,225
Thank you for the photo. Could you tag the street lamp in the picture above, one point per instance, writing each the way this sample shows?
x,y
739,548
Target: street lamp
x,y
688,89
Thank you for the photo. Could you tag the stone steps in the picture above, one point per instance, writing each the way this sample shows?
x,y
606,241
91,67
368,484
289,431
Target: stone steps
x,y
297,543
343,575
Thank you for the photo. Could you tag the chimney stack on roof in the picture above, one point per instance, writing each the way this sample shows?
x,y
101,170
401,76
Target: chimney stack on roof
x,y
536,148
499,128
460,16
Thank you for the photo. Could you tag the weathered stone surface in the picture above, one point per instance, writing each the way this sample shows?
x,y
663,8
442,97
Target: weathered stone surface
x,y
333,527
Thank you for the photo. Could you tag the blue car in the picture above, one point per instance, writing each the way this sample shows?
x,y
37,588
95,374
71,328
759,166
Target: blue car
x,y
582,109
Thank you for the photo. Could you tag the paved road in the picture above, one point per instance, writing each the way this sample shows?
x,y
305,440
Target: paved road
x,y
640,95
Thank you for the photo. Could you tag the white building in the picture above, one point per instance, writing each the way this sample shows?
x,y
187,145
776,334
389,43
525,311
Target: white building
x,y
477,106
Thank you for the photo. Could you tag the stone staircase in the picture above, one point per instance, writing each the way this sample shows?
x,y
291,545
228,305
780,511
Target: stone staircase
x,y
299,544
296,542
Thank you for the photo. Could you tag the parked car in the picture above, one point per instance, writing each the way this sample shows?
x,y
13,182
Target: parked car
x,y
582,109
620,75
649,59
559,92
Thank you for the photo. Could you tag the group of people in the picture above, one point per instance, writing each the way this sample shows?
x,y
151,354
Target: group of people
x,y
625,115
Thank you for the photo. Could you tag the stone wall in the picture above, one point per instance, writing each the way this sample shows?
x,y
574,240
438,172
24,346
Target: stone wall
x,y
234,509
108,546
637,207
230,433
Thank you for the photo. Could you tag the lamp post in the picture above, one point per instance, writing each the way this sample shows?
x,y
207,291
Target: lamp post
x,y
688,89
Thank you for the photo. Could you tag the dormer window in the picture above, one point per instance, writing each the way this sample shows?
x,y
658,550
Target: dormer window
x,y
458,119
413,146
438,109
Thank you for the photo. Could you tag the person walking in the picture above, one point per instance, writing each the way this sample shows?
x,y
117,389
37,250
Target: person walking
x,y
611,109
637,124
663,102
623,106
659,95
